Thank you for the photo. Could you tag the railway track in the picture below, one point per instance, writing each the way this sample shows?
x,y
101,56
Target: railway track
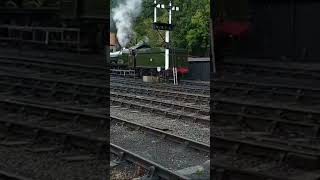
x,y
100,73
279,70
65,91
230,152
41,120
48,64
291,130
78,72
195,131
261,103
10,176
70,136
274,111
28,85
274,108
275,119
181,107
246,157
287,93
84,95
202,147
74,110
160,93
65,129
167,112
168,87
182,152
154,169
85,87
267,110
45,67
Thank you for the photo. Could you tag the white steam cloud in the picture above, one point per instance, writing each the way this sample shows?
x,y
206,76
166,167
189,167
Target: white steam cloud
x,y
146,39
123,16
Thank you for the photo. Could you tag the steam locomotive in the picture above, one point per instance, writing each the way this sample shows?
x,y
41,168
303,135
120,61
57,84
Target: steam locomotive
x,y
64,24
146,60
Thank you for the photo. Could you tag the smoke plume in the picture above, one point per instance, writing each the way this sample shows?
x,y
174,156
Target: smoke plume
x,y
146,39
123,16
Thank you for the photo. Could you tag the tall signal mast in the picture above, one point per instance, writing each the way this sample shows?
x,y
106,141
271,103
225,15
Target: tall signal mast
x,y
167,27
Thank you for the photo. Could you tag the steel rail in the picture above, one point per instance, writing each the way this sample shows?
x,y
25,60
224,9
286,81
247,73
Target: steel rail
x,y
45,109
267,109
54,68
191,109
93,95
164,135
277,153
92,144
22,76
154,168
205,84
166,113
221,171
10,176
52,63
75,92
288,67
99,119
256,145
49,64
125,154
188,89
184,96
75,68
273,69
276,86
74,75
82,99
248,89
93,87
271,126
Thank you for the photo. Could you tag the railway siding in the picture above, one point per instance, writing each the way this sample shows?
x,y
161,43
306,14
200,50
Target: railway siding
x,y
77,95
265,120
195,131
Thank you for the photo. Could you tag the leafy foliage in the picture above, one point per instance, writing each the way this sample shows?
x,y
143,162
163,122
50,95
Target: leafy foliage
x,y
191,24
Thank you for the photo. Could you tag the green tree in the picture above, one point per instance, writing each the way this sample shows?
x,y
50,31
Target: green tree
x,y
198,33
191,24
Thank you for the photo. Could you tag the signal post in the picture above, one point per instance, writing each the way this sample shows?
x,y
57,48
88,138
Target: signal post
x,y
167,27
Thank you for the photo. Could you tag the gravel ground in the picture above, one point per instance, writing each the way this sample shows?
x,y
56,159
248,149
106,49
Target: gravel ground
x,y
51,75
163,109
194,131
49,166
123,172
274,102
204,107
52,165
260,165
278,80
176,97
168,154
96,59
61,125
149,87
126,171
164,85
